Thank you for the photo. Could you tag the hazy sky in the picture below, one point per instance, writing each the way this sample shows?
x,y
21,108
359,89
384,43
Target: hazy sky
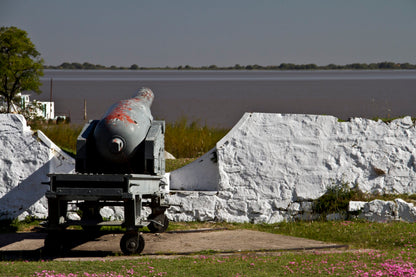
x,y
223,32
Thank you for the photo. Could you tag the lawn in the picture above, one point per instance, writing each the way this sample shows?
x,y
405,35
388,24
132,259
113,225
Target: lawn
x,y
376,249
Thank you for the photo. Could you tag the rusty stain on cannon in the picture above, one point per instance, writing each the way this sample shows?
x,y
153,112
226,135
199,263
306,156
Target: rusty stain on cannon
x,y
124,126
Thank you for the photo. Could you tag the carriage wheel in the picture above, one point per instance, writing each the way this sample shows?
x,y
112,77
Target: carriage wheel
x,y
132,244
158,223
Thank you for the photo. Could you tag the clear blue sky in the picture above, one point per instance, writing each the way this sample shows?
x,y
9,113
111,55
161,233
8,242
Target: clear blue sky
x,y
221,32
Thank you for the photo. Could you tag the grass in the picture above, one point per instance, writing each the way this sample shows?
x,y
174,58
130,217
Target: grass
x,y
185,139
357,234
15,225
63,135
377,249
171,165
369,263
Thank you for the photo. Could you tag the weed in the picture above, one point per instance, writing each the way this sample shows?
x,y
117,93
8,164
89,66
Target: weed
x,y
335,200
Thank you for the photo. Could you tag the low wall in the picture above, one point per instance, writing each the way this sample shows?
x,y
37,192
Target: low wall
x,y
268,168
269,165
25,161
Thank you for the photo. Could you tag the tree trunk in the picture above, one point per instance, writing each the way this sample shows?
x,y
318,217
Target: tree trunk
x,y
9,103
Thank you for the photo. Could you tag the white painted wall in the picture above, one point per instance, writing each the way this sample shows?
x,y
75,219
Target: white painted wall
x,y
267,162
267,169
25,161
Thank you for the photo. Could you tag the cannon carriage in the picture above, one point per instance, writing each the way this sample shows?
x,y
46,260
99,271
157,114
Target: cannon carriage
x,y
119,162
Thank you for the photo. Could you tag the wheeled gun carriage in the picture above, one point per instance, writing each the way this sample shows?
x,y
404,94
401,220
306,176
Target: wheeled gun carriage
x,y
119,162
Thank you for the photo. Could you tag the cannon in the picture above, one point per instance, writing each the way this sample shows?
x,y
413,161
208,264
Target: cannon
x,y
119,162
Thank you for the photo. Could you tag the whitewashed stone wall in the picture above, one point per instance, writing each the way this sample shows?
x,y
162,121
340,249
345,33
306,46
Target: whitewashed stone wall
x,y
25,161
269,165
269,168
384,211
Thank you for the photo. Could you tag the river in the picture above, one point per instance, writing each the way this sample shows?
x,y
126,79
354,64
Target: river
x,y
220,98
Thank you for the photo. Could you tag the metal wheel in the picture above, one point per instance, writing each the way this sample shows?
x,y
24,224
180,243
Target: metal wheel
x,y
132,244
158,223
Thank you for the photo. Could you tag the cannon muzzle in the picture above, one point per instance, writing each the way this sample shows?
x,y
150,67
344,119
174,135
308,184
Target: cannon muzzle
x,y
124,126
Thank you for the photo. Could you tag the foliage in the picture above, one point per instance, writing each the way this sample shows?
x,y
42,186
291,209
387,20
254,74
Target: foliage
x,y
134,67
282,66
20,64
335,200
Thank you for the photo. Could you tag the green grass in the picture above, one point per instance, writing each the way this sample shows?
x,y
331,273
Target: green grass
x,y
377,249
309,264
63,135
171,165
185,139
357,234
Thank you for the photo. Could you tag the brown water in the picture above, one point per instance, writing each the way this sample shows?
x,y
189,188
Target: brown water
x,y
220,98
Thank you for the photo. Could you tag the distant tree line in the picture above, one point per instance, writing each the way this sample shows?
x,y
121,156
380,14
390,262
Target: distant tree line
x,y
282,66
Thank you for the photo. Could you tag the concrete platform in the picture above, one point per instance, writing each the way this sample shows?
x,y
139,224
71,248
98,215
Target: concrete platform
x,y
29,245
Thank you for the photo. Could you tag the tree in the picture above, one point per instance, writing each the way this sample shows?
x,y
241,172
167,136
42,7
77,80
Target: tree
x,y
134,67
20,64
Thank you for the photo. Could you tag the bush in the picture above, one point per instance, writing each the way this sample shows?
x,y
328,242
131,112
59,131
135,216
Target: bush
x,y
335,200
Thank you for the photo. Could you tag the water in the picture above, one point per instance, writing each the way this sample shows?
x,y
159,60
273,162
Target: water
x,y
220,98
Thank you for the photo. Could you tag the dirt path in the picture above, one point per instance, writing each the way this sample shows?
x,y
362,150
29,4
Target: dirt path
x,y
106,244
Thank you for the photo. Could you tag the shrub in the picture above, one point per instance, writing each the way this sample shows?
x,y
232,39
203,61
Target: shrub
x,y
335,200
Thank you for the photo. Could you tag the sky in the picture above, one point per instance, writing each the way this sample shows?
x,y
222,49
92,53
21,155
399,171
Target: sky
x,y
162,33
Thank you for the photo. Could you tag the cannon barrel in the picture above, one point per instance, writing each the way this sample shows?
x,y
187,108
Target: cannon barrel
x,y
124,126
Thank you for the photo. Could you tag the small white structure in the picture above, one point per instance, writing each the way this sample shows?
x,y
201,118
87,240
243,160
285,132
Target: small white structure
x,y
42,109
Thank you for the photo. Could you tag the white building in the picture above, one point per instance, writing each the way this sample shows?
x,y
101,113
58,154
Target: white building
x,y
42,109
